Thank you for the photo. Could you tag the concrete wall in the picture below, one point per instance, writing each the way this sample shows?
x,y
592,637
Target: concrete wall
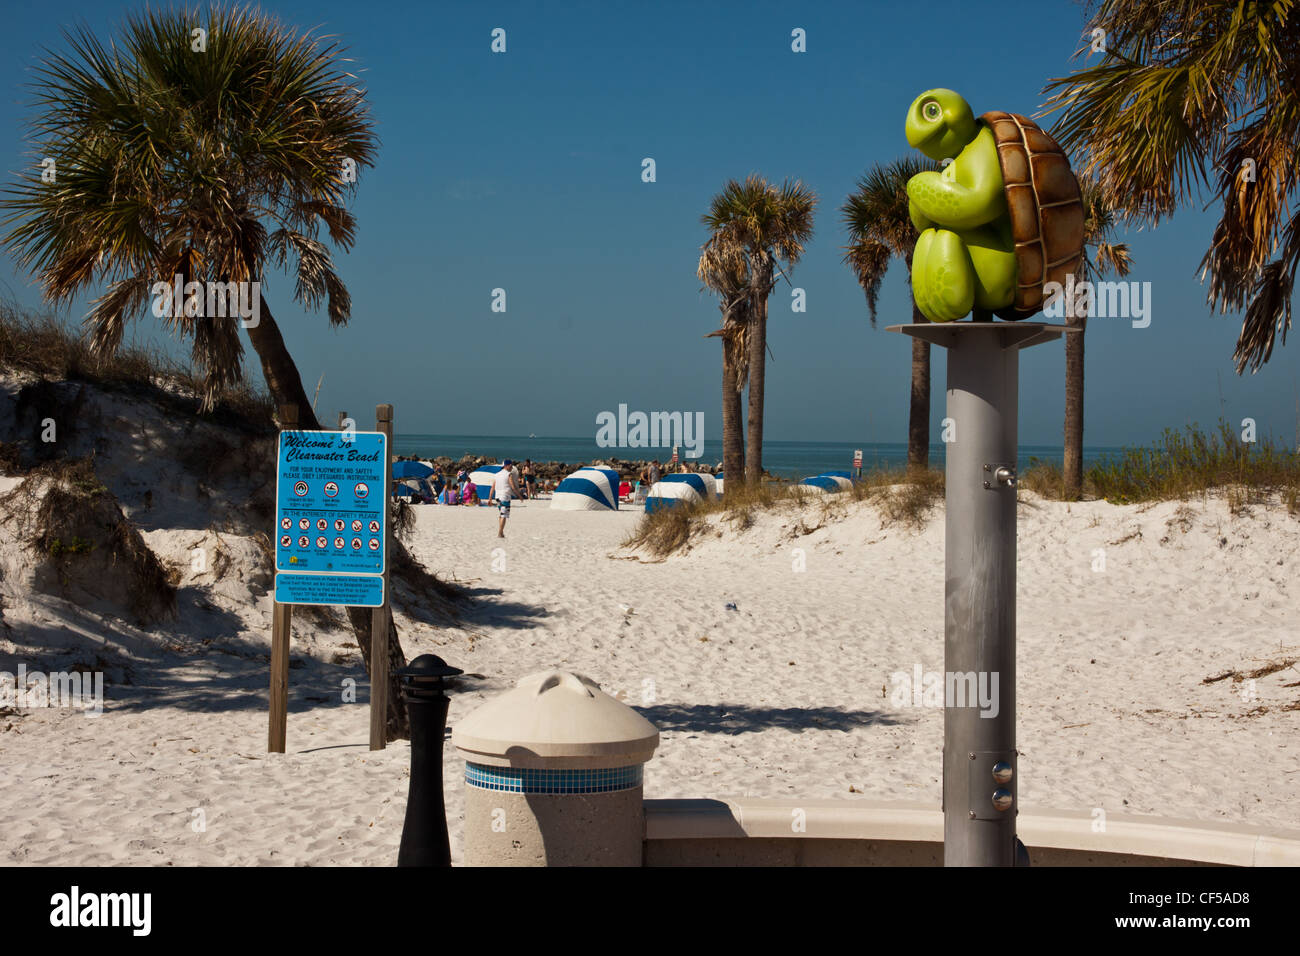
x,y
744,832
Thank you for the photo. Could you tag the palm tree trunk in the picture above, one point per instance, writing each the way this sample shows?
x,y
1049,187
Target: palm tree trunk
x,y
918,418
285,386
278,368
733,441
1073,465
760,282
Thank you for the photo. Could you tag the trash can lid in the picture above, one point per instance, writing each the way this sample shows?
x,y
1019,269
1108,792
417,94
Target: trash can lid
x,y
557,719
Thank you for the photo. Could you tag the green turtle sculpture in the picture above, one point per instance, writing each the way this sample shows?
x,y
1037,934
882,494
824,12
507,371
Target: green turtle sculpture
x,y
1002,219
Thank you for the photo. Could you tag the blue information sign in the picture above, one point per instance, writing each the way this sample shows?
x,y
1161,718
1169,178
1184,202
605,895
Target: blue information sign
x,y
339,590
331,517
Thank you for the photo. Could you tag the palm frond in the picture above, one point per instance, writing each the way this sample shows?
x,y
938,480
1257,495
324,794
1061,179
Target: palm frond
x,y
1191,94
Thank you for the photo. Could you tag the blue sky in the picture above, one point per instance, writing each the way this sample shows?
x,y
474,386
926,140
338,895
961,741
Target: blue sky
x,y
522,171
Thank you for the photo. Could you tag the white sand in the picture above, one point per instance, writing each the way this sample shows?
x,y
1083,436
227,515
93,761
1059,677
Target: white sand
x,y
787,695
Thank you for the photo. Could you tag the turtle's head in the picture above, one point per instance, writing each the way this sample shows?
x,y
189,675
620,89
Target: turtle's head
x,y
940,124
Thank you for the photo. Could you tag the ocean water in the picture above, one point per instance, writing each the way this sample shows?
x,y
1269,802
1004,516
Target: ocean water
x,y
789,459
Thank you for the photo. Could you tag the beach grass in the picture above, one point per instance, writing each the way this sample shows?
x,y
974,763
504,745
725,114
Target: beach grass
x,y
53,351
1179,466
904,497
1185,464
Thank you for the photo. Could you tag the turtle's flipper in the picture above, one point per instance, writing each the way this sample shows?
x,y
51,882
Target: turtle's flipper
x,y
943,279
919,219
993,256
968,193
920,272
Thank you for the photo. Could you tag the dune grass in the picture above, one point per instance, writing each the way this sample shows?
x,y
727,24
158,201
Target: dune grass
x,y
903,498
53,351
1179,466
1182,464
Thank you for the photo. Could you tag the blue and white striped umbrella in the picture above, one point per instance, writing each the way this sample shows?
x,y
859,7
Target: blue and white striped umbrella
x,y
672,490
587,489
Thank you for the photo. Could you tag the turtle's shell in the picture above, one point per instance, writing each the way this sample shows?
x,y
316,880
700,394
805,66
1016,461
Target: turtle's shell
x,y
1045,205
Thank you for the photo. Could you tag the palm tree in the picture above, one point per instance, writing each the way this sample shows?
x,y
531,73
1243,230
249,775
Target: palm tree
x,y
880,230
771,226
209,164
1187,93
723,269
1099,222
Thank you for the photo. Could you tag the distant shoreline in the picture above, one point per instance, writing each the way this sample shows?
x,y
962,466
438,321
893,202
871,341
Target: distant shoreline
x,y
783,459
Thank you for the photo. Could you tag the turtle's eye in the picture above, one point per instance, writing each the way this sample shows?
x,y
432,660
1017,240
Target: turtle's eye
x,y
931,110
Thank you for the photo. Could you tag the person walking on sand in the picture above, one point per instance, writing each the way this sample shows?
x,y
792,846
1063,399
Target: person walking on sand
x,y
504,487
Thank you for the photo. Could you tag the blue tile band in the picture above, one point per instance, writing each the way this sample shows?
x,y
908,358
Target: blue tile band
x,y
533,780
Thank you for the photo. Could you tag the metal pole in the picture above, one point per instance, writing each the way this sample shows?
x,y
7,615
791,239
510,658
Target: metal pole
x,y
979,718
980,772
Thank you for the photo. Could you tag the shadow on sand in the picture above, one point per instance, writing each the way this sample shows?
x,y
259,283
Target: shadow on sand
x,y
487,610
733,719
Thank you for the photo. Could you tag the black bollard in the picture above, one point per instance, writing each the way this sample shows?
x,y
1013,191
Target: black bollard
x,y
424,832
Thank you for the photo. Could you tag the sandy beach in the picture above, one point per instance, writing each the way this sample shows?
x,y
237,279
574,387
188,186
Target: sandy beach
x,y
791,693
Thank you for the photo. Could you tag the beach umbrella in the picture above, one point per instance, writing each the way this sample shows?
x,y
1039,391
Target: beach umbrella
x,y
587,489
413,488
672,490
610,475
411,469
483,478
827,483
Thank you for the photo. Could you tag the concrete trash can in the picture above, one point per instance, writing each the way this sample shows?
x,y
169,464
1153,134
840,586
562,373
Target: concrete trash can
x,y
553,776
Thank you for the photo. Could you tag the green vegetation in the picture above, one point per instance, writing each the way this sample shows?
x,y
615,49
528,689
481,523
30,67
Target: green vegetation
x,y
1182,464
903,498
1185,103
220,167
757,235
75,546
1177,467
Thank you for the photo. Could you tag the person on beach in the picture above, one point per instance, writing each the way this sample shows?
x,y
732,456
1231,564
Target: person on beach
x,y
530,479
505,487
469,493
653,474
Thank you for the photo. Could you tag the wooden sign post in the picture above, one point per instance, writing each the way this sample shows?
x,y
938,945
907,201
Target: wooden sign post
x,y
379,616
281,618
